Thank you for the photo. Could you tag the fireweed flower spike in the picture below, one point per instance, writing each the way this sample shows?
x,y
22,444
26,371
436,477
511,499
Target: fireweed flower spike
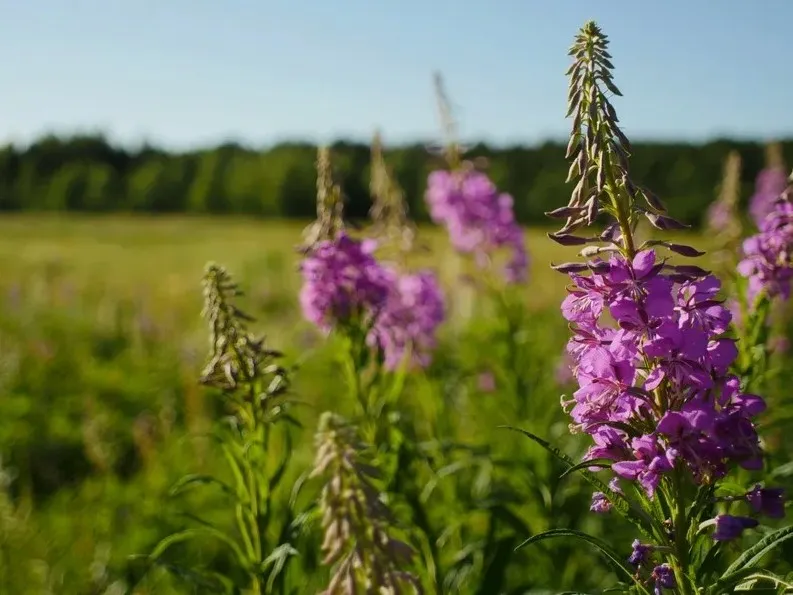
x,y
347,289
357,544
650,356
254,387
478,218
408,323
771,181
764,286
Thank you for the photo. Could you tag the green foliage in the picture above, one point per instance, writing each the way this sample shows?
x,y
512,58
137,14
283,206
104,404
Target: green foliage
x,y
88,174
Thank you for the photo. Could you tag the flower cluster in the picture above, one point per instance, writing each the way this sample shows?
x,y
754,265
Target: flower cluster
x,y
654,389
768,255
478,218
408,323
769,185
344,284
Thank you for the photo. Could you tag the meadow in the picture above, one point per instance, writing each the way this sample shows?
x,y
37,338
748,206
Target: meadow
x,y
103,345
222,405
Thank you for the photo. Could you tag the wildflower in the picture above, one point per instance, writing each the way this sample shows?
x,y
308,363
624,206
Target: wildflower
x,y
409,319
479,219
769,185
768,255
641,553
486,382
767,501
342,282
600,503
730,527
664,578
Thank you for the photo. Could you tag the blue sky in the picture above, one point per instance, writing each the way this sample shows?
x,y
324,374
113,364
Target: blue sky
x,y
183,73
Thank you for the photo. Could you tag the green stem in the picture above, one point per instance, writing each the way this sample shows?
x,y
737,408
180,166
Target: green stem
x,y
681,537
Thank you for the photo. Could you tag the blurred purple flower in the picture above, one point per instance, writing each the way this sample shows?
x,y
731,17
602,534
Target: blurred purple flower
x,y
768,255
486,382
769,185
479,219
730,527
640,553
343,282
600,503
767,501
664,578
409,320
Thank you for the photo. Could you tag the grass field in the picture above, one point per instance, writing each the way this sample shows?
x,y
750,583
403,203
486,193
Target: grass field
x,y
101,345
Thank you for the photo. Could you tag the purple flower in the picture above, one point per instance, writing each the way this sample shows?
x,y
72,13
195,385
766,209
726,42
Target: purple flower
x,y
409,319
486,382
730,527
605,393
664,578
600,503
480,220
342,283
699,308
769,185
640,554
767,501
650,461
768,255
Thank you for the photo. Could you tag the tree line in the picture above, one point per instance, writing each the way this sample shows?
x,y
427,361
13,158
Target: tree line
x,y
89,174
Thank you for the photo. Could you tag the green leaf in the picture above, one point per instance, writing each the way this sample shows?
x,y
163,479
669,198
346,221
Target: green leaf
x,y
755,553
621,504
495,573
194,533
744,580
586,465
606,549
278,474
277,560
189,481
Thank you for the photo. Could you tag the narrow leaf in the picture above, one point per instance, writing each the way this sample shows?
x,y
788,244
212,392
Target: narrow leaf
x,y
606,549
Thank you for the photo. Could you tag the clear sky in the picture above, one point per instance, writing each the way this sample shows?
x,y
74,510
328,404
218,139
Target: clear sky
x,y
183,73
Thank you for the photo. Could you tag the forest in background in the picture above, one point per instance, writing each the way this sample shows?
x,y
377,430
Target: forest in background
x,y
90,174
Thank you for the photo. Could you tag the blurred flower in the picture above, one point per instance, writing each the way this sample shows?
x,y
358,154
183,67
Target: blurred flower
x,y
768,255
342,282
730,527
770,184
600,503
486,382
480,220
767,501
664,578
409,319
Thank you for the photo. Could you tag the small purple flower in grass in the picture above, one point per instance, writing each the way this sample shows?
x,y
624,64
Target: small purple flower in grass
x,y
767,501
479,219
730,527
664,578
